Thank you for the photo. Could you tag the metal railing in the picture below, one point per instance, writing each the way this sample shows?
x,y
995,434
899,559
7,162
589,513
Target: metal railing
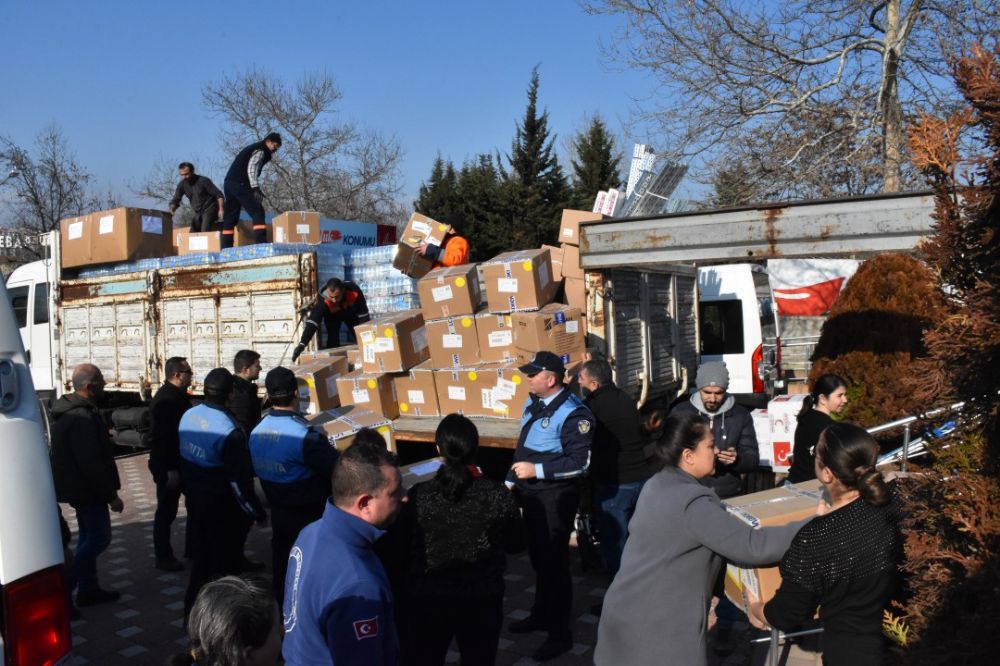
x,y
907,449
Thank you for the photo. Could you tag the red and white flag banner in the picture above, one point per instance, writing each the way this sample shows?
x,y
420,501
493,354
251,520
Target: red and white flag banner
x,y
808,287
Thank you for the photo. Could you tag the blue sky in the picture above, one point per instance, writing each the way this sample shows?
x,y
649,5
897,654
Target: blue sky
x,y
123,79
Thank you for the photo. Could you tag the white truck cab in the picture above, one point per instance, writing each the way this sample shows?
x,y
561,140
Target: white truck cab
x,y
34,604
739,326
29,289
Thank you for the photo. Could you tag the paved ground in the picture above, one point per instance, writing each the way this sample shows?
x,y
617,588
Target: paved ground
x,y
145,626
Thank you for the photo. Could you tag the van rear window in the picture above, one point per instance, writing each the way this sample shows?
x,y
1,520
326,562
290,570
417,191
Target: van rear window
x,y
722,327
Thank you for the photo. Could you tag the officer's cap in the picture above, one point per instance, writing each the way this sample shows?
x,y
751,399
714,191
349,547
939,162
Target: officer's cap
x,y
544,360
280,382
218,383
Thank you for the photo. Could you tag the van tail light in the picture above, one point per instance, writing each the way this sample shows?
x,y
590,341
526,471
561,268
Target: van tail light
x,y
757,369
36,618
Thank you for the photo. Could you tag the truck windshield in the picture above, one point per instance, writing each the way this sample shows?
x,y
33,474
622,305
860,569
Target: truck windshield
x,y
19,304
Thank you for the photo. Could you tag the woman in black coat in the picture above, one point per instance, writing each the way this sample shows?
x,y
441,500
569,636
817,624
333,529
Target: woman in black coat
x,y
828,397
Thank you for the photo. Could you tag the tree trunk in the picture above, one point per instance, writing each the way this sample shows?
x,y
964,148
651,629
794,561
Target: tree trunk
x,y
892,113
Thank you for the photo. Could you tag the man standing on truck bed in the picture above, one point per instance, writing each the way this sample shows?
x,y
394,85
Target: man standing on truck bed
x,y
339,302
242,188
165,412
85,476
206,199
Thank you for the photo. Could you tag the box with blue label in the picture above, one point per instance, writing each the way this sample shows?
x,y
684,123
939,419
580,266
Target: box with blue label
x,y
519,281
556,328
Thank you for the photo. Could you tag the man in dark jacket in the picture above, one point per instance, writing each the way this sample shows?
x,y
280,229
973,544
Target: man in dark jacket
x,y
206,199
339,302
85,476
165,412
242,188
619,465
245,405
294,462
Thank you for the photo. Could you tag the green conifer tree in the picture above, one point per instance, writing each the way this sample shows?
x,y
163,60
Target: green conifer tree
x,y
597,165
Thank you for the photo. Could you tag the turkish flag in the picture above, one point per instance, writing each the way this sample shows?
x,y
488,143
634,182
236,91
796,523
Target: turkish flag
x,y
808,287
366,628
812,300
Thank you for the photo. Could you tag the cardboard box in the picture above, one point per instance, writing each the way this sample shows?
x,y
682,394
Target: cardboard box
x,y
450,291
187,242
494,389
74,241
496,337
350,352
576,293
778,506
765,447
519,280
126,234
455,390
416,392
318,384
556,328
370,391
783,417
571,262
569,229
296,227
419,229
556,254
341,425
453,342
393,343
307,357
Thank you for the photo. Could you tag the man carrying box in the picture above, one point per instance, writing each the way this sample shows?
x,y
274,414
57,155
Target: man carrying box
x,y
242,188
340,302
454,251
206,199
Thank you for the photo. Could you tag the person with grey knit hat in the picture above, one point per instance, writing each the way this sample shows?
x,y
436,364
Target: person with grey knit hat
x,y
736,453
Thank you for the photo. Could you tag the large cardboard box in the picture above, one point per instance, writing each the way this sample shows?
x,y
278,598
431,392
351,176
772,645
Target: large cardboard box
x,y
556,253
576,292
496,337
318,384
453,342
783,417
419,229
374,391
307,357
74,241
393,343
556,328
778,506
455,390
187,242
569,230
494,389
450,291
296,227
571,262
416,392
519,280
342,424
126,234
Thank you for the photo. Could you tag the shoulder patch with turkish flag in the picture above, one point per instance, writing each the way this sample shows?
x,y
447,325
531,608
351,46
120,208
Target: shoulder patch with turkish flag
x,y
366,628
583,426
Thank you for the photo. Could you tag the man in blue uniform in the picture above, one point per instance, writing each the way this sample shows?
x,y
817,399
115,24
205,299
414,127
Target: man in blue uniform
x,y
338,604
294,463
552,452
242,188
217,477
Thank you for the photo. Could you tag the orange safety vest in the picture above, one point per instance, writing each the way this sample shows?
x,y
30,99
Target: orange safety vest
x,y
455,252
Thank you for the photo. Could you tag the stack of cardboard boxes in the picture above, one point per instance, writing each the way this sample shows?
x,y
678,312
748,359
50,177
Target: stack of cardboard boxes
x,y
289,227
572,272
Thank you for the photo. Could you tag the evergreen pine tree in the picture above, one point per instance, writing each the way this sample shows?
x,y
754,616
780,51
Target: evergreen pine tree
x,y
481,204
596,166
438,198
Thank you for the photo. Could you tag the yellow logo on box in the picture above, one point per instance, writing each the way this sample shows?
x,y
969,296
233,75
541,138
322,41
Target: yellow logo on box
x,y
372,384
526,265
387,333
472,375
442,227
403,407
466,322
460,282
516,379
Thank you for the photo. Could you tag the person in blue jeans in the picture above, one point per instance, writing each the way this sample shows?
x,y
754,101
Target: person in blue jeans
x,y
86,478
619,464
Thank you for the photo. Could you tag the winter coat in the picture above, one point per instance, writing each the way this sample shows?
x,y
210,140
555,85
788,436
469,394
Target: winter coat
x,y
82,455
732,427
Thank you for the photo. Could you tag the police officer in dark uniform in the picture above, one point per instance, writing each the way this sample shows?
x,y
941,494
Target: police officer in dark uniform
x,y
552,452
294,463
242,188
340,301
217,477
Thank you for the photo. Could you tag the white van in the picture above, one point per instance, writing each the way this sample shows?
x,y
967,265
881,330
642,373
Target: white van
x,y
739,326
34,604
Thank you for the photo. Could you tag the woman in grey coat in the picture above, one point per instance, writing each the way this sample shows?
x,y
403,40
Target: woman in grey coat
x,y
656,610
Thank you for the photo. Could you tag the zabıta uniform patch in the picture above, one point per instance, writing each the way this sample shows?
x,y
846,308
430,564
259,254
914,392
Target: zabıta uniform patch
x,y
366,628
583,426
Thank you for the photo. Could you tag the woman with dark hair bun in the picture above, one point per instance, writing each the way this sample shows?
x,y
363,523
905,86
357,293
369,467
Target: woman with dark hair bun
x,y
845,561
828,397
456,529
656,610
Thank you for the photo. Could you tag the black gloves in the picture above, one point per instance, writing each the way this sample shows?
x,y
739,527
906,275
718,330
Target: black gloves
x,y
298,350
258,195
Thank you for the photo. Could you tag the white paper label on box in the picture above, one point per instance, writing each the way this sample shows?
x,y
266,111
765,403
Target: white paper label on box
x,y
331,385
504,389
456,393
197,242
302,229
451,341
415,397
543,275
487,395
431,240
360,395
507,285
568,233
385,344
421,227
152,225
279,234
419,339
75,230
501,338
107,225
572,326
367,337
441,293
369,353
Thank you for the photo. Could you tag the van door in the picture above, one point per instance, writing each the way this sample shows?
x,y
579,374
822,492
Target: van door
x,y
19,302
41,341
